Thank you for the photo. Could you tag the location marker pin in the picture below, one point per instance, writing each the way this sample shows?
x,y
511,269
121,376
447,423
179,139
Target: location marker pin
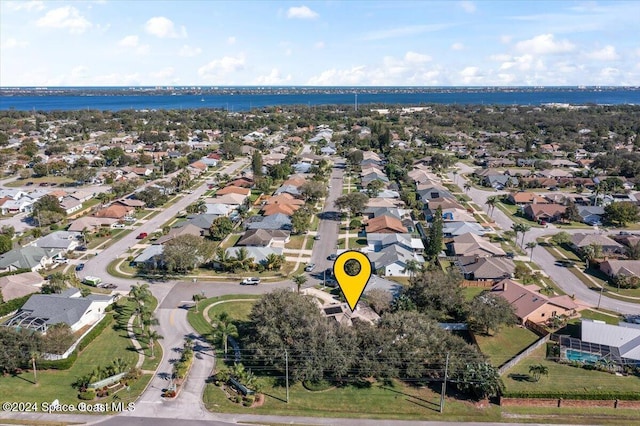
x,y
352,286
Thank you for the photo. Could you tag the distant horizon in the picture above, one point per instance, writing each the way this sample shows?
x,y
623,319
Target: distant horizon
x,y
213,86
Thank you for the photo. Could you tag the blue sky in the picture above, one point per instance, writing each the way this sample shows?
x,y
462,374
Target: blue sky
x,y
364,43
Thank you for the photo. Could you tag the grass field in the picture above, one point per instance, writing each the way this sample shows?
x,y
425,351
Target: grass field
x,y
564,378
505,344
375,400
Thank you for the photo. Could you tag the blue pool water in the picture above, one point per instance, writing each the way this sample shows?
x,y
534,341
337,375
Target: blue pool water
x,y
573,355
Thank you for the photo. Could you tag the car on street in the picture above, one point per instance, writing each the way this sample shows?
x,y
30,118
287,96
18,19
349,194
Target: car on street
x,y
79,266
310,267
142,235
250,281
316,237
332,256
109,286
566,263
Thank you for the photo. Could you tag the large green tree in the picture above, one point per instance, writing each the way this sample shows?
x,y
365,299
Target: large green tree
x,y
434,242
621,213
354,202
186,252
437,294
220,228
489,311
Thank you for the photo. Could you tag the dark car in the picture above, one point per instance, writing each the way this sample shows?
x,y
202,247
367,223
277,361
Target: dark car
x,y
332,256
79,266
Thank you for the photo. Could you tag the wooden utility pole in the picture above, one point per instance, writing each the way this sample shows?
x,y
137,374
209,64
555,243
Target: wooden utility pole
x,y
444,384
286,368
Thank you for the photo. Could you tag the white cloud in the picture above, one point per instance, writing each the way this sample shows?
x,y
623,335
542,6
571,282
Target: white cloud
x,y
12,43
468,6
506,39
79,73
67,17
162,27
607,53
500,57
189,51
544,44
319,45
273,78
471,75
416,58
457,46
352,76
219,68
29,6
404,31
231,40
301,12
129,41
164,75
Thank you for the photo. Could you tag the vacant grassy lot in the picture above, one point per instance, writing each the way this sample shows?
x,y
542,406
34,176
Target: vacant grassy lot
x,y
505,344
376,400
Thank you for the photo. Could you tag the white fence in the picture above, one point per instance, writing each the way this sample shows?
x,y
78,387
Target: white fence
x,y
55,357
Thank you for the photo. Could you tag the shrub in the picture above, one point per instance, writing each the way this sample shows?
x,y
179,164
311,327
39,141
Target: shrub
x,y
62,364
87,395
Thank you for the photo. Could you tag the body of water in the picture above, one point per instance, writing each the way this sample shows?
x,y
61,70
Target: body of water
x,y
246,101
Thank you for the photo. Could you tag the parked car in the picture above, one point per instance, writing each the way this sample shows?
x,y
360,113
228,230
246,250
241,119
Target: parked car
x,y
310,267
332,256
81,248
79,266
142,235
316,237
61,260
109,286
250,281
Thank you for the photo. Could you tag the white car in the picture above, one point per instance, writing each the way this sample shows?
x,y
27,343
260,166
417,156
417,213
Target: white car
x,y
250,281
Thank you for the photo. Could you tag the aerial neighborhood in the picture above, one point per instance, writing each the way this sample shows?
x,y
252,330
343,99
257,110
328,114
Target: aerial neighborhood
x,y
504,244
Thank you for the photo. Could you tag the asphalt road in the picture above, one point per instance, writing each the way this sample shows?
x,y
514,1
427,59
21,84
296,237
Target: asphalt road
x,y
329,225
562,276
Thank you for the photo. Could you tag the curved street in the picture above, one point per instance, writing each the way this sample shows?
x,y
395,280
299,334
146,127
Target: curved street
x,y
562,276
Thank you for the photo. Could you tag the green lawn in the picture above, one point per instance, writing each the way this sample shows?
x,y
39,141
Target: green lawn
x,y
505,344
471,292
362,400
230,241
357,242
295,242
110,344
238,311
564,378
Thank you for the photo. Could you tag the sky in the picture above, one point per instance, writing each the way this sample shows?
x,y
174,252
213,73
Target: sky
x,y
319,43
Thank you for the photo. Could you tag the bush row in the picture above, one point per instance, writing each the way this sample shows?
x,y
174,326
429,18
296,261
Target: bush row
x,y
13,305
597,395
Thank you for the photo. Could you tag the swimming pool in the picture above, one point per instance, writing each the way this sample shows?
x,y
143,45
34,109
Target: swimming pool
x,y
574,355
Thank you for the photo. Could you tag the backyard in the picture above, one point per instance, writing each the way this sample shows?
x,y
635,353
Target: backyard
x,y
505,344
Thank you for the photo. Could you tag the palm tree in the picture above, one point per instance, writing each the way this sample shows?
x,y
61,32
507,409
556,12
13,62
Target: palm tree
x,y
153,335
34,354
524,228
491,202
633,251
455,174
299,280
531,245
242,259
224,329
140,294
197,297
467,187
223,258
273,261
197,207
515,227
538,370
412,266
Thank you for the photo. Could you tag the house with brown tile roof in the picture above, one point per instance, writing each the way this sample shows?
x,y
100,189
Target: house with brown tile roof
x,y
580,241
231,199
115,211
522,198
613,267
471,244
546,212
243,182
234,190
284,199
294,181
529,304
20,285
385,225
286,209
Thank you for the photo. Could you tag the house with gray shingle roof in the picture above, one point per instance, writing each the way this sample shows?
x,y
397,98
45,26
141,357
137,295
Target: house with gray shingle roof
x,y
393,260
274,221
29,257
44,310
59,240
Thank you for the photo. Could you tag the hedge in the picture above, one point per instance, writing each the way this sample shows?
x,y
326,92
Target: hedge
x,y
13,305
625,396
16,272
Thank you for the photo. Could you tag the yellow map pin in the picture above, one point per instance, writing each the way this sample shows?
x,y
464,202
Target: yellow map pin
x,y
352,285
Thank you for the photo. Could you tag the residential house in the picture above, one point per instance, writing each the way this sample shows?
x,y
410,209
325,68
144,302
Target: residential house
x,y
263,238
20,285
473,245
197,167
591,215
81,196
275,209
232,199
384,202
274,221
216,209
392,260
29,257
151,256
530,305
130,202
59,240
90,223
230,189
44,310
486,268
385,225
614,267
115,211
210,161
457,215
524,198
259,254
289,189
434,192
70,205
609,246
244,182
188,229
454,229
544,212
377,242
621,341
500,181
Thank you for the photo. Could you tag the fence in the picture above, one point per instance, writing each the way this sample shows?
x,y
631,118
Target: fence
x,y
482,284
536,328
516,359
108,381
